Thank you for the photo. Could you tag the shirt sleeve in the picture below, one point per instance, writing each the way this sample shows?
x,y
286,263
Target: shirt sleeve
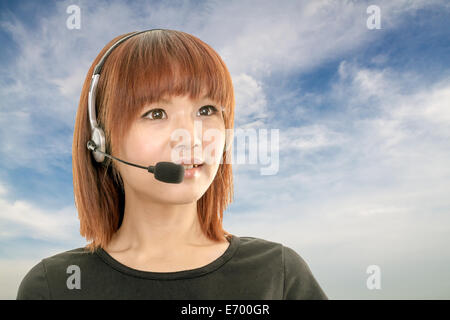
x,y
299,282
34,285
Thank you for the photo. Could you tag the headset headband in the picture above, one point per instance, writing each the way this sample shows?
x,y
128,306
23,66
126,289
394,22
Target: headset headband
x,y
98,136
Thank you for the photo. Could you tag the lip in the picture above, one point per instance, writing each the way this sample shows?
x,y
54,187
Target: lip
x,y
194,172
191,161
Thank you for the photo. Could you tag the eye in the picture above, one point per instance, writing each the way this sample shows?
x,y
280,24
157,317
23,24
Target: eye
x,y
209,110
156,114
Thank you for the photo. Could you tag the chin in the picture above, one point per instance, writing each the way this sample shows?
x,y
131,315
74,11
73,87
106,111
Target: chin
x,y
185,198
183,194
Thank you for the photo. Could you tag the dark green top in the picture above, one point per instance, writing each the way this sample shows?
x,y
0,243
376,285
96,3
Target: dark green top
x,y
250,268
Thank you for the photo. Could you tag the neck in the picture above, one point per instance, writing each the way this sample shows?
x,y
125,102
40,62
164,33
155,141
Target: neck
x,y
158,227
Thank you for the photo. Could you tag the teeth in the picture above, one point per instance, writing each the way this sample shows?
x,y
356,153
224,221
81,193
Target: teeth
x,y
190,166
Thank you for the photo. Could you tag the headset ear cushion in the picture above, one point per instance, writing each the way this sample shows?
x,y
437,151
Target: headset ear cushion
x,y
98,136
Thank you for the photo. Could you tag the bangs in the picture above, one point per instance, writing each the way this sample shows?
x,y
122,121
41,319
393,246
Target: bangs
x,y
155,67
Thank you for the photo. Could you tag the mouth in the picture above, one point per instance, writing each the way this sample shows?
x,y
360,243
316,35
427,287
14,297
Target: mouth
x,y
191,166
192,171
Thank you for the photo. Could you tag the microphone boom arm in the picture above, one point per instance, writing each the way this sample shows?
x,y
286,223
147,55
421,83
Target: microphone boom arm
x,y
91,146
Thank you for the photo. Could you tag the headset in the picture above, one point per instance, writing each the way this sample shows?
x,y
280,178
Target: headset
x,y
164,171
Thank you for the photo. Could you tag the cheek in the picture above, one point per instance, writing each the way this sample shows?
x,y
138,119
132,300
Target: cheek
x,y
138,150
213,145
143,147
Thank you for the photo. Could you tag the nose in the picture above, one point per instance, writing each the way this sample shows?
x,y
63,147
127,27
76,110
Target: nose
x,y
187,134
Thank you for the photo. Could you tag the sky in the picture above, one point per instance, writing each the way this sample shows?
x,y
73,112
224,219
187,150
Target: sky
x,y
363,116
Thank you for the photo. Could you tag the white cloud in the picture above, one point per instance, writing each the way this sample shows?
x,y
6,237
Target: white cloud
x,y
21,219
251,105
309,138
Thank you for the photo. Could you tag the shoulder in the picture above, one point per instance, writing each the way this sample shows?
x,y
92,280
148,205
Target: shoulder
x,y
254,243
35,285
289,257
260,251
74,255
298,280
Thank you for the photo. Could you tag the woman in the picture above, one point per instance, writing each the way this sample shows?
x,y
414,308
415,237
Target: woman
x,y
150,238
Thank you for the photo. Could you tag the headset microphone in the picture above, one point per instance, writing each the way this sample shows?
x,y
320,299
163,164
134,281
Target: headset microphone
x,y
164,171
169,172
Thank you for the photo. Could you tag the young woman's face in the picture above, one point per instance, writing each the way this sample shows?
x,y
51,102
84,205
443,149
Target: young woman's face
x,y
176,130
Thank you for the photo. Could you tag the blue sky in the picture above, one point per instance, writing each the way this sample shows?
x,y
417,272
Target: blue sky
x,y
364,120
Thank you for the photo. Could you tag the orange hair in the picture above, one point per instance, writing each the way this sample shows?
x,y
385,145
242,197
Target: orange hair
x,y
138,72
